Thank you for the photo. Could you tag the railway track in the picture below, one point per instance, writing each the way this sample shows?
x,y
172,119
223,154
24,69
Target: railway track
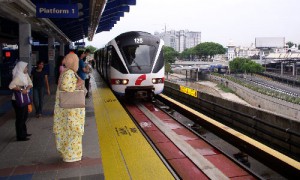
x,y
270,86
262,154
187,154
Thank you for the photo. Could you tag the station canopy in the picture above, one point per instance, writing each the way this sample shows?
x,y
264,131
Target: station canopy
x,y
94,16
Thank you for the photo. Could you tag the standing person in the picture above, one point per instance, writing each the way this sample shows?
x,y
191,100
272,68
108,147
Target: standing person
x,y
59,67
40,80
84,69
69,123
21,82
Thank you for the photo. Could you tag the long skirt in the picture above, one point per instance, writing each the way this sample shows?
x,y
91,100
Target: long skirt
x,y
69,146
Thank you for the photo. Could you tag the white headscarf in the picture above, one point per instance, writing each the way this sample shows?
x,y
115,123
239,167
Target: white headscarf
x,y
18,71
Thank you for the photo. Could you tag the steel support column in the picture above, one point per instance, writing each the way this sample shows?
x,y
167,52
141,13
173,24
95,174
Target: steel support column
x,y
51,55
24,43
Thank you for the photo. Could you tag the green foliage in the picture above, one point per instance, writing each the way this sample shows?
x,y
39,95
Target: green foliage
x,y
169,54
224,88
240,65
290,44
236,65
92,48
168,67
209,49
188,54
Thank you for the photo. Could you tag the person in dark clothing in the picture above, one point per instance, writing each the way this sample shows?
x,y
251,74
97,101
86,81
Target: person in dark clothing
x,y
40,80
84,69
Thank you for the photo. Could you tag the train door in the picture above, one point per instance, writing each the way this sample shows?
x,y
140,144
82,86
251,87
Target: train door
x,y
100,62
96,56
104,62
109,58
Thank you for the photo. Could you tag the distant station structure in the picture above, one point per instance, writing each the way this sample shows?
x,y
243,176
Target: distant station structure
x,y
265,43
279,55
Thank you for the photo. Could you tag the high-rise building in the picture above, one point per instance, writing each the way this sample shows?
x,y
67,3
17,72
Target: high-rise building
x,y
180,40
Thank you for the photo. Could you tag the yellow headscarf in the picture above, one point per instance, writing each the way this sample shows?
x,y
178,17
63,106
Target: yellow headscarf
x,y
71,61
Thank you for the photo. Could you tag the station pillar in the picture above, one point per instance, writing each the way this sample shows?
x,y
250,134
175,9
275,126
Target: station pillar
x,y
62,49
260,56
281,69
294,69
24,44
1,59
51,55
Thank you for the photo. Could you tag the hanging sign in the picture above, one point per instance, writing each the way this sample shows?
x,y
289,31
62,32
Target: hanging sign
x,y
56,11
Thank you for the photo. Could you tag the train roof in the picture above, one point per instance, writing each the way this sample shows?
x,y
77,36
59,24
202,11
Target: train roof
x,y
136,34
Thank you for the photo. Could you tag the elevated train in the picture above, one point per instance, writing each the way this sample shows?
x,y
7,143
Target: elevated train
x,y
133,64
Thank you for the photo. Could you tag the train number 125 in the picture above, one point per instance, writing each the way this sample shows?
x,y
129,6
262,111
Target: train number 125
x,y
138,40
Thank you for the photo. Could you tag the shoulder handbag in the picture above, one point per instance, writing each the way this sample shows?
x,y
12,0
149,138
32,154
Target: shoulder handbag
x,y
22,99
70,100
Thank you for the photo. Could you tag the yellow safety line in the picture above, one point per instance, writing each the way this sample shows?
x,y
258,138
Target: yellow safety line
x,y
126,154
241,136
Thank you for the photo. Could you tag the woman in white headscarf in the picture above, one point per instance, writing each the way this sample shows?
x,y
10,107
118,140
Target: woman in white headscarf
x,y
21,82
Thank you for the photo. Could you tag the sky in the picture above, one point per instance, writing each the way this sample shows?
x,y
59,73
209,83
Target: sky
x,y
220,21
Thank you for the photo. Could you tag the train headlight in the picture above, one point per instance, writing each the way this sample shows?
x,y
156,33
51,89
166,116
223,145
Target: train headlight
x,y
117,81
124,81
158,80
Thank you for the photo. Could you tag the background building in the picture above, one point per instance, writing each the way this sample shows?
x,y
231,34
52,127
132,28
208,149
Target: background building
x,y
180,40
234,51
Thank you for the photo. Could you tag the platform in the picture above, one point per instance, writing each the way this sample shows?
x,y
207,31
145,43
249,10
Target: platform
x,y
124,154
38,158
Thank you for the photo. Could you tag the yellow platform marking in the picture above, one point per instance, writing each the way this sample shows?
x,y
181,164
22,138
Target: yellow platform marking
x,y
125,152
243,137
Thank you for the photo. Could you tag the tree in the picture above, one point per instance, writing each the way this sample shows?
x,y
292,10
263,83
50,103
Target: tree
x,y
188,54
241,65
168,67
92,48
169,54
290,44
169,57
236,65
184,54
209,49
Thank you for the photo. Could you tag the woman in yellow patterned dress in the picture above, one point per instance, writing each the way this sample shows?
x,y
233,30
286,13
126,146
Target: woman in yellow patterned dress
x,y
69,123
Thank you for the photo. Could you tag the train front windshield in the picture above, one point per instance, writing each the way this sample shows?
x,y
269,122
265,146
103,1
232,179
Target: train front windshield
x,y
139,58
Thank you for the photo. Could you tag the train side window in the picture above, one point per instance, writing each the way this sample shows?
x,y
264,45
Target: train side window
x,y
117,63
159,63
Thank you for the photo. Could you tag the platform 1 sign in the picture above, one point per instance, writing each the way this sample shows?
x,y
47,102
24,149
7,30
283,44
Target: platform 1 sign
x,y
189,91
56,11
